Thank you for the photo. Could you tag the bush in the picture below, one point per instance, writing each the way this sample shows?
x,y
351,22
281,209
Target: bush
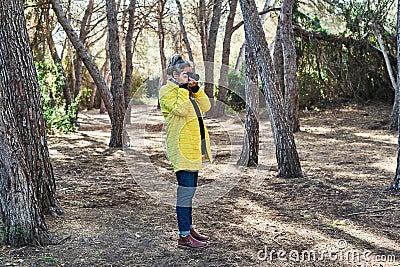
x,y
236,91
51,82
57,118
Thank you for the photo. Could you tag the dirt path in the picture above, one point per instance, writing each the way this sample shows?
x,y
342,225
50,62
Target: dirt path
x,y
340,206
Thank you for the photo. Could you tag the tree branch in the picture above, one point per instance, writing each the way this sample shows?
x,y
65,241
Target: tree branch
x,y
240,24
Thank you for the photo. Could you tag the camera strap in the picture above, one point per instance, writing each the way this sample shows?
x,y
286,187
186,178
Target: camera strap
x,y
201,124
199,118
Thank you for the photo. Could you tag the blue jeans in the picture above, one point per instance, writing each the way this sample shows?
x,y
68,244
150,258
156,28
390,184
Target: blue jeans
x,y
187,183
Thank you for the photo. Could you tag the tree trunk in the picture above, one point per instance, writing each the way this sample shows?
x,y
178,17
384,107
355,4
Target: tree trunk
x,y
278,54
58,62
92,95
203,28
105,71
286,153
72,67
210,54
129,56
224,71
103,108
38,40
82,36
395,185
27,185
177,39
393,126
249,155
239,60
290,65
117,89
85,56
161,41
395,111
183,31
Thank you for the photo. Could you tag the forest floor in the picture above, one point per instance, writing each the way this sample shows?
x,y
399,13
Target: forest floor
x,y
339,212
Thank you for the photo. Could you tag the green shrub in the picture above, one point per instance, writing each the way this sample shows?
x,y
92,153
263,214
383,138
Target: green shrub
x,y
57,118
236,91
51,82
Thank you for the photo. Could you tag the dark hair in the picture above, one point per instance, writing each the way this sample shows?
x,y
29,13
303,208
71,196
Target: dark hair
x,y
177,63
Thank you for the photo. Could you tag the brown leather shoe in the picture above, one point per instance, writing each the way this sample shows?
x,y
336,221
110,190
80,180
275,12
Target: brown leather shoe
x,y
189,241
199,236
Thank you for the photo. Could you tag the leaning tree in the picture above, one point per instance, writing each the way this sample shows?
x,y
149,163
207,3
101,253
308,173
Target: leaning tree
x,y
285,63
286,153
27,185
114,99
395,185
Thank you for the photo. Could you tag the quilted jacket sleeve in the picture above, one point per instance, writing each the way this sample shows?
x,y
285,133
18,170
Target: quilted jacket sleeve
x,y
202,100
175,101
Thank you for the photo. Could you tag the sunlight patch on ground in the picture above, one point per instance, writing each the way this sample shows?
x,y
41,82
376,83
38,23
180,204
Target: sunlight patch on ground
x,y
372,238
386,164
319,130
97,133
93,115
288,236
256,219
54,153
373,136
343,173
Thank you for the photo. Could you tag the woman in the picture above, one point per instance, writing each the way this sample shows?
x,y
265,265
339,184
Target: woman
x,y
182,103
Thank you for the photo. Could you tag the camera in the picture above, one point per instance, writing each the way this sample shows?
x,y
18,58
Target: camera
x,y
193,75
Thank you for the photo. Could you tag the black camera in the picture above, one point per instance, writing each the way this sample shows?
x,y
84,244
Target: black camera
x,y
193,75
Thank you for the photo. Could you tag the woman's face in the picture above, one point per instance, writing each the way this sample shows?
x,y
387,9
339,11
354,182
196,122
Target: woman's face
x,y
182,77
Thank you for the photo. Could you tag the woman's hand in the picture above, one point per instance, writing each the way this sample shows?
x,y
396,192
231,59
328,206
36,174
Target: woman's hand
x,y
192,82
193,85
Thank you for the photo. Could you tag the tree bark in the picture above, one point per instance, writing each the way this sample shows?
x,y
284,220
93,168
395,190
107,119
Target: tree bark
x,y
278,54
39,34
286,153
105,71
395,110
117,90
226,51
210,54
121,29
72,67
85,56
249,155
177,40
161,41
289,65
92,95
129,58
395,185
203,28
58,62
27,185
239,60
183,31
82,36
278,51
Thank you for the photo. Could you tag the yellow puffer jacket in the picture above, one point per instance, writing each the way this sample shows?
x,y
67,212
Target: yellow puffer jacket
x,y
183,140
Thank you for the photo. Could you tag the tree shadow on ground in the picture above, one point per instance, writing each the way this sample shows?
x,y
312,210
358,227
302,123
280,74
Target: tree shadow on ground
x,y
110,219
